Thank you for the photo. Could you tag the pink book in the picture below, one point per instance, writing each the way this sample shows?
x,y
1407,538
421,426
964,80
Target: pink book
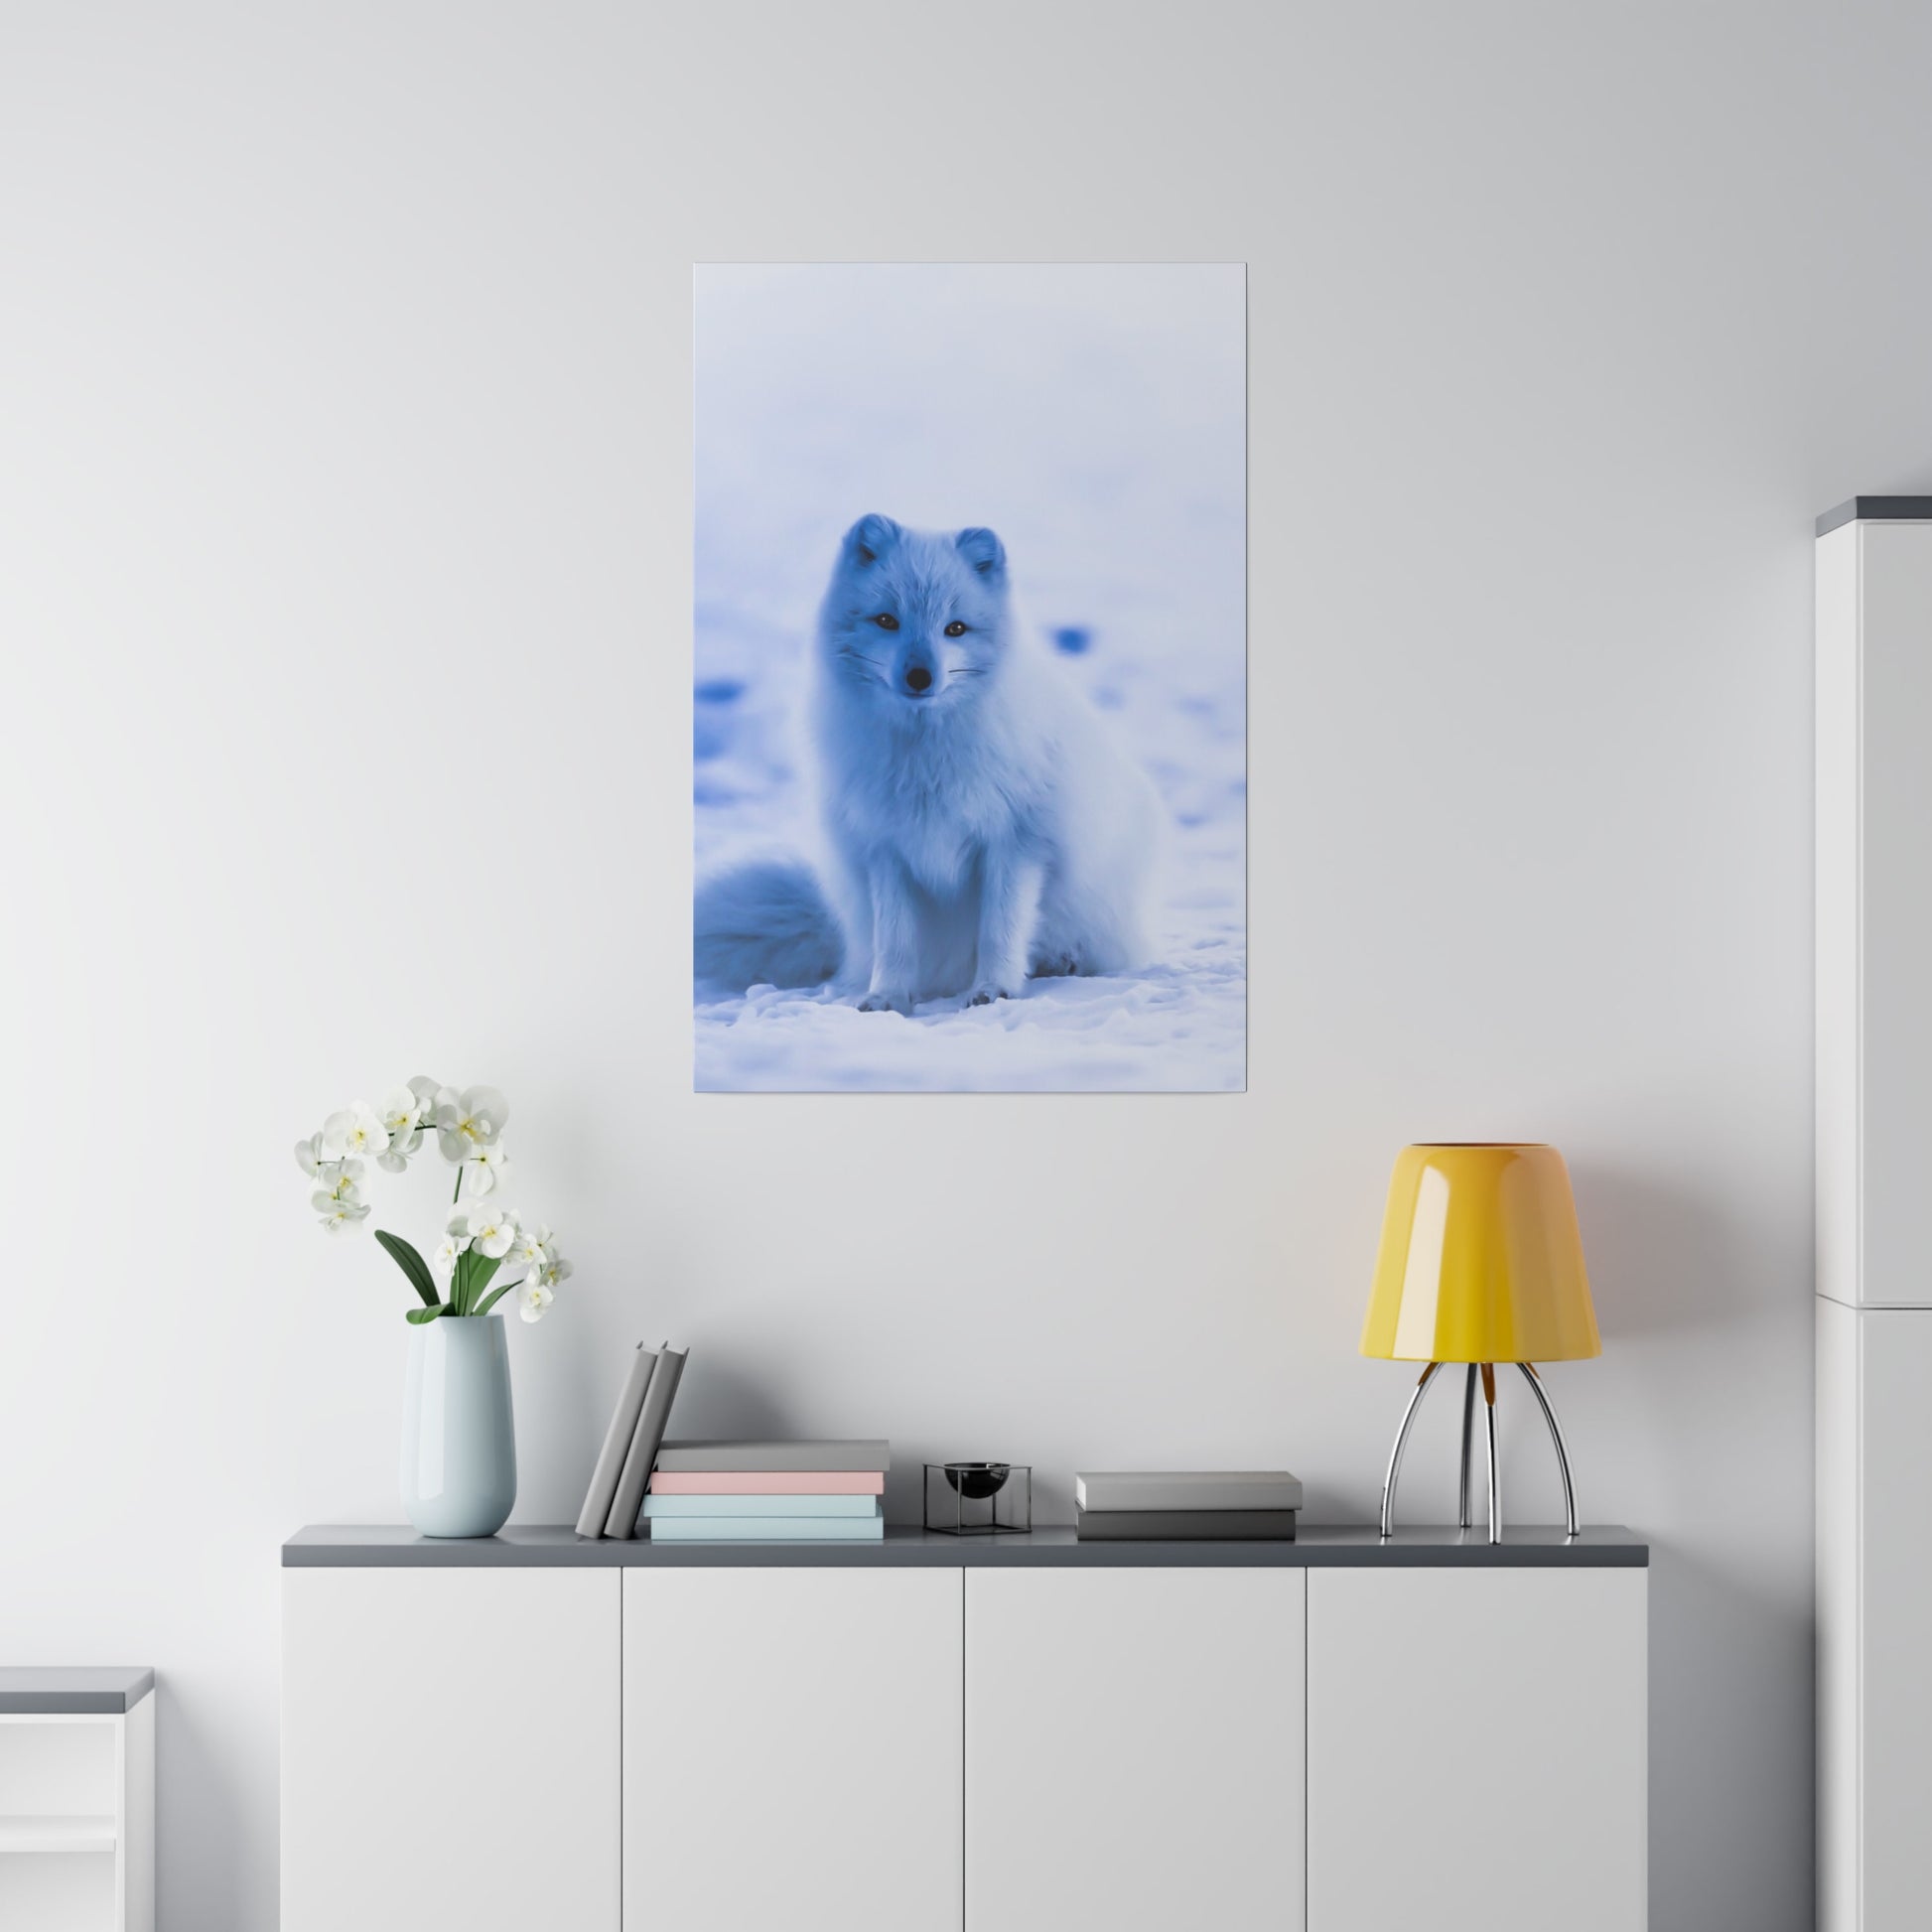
x,y
770,1483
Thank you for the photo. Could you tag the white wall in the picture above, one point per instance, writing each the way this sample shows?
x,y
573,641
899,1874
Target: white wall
x,y
344,536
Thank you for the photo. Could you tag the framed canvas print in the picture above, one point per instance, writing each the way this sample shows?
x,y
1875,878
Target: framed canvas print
x,y
969,750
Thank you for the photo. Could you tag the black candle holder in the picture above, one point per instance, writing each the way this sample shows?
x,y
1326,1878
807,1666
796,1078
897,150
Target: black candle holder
x,y
979,1498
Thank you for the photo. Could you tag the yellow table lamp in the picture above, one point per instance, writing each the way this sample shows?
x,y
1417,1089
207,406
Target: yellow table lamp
x,y
1480,1262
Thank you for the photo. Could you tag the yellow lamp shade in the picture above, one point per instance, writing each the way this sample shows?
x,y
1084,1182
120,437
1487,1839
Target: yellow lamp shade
x,y
1481,1260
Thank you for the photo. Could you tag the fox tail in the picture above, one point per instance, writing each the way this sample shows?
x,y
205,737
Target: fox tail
x,y
767,923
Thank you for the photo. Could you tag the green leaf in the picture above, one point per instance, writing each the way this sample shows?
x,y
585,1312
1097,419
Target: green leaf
x,y
472,1272
495,1296
420,1316
480,1275
412,1264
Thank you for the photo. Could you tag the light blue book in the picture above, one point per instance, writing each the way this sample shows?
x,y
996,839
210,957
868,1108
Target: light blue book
x,y
767,1529
662,1506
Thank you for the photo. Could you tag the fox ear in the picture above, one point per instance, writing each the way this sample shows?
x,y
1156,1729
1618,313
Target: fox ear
x,y
983,550
869,537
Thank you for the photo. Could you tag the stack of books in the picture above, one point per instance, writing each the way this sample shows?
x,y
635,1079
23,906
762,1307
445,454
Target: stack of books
x,y
615,1497
775,1492
1226,1505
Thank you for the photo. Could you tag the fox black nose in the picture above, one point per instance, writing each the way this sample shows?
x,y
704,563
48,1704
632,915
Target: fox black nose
x,y
919,678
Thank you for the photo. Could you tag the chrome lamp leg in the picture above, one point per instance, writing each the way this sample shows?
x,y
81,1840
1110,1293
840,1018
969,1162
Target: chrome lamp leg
x,y
1495,1467
1464,1517
1401,1439
1556,1436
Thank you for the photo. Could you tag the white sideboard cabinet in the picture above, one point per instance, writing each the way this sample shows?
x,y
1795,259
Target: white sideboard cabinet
x,y
942,1735
1874,720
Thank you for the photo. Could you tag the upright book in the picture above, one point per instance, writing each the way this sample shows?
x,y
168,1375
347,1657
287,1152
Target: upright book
x,y
602,1491
644,1442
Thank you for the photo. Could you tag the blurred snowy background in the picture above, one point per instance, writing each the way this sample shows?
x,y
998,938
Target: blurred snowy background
x,y
1095,417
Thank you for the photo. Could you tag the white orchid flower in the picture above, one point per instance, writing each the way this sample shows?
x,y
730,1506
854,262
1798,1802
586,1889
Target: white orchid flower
x,y
308,1155
427,1092
339,1179
456,1238
491,1232
356,1130
468,1122
531,1301
532,1247
486,1171
400,1111
340,1213
551,1271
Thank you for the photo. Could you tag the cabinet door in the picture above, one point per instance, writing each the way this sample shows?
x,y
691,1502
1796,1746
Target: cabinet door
x,y
1893,910
1476,1749
1894,1765
1134,1749
791,1750
450,1749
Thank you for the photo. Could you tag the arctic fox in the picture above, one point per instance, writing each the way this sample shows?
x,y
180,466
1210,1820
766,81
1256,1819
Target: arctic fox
x,y
981,825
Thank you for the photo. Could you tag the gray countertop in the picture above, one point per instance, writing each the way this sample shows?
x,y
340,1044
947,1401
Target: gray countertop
x,y
66,1690
546,1546
1876,509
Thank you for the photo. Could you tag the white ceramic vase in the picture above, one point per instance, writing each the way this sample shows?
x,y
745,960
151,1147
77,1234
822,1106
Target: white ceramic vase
x,y
459,1438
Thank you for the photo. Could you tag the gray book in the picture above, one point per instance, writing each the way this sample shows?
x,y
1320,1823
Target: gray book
x,y
1187,1526
617,1444
644,1441
739,1459
1190,1489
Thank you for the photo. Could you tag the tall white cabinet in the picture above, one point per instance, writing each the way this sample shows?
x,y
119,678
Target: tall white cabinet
x,y
1874,1185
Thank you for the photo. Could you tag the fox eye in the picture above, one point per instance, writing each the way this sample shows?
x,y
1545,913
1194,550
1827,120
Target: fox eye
x,y
886,620
955,629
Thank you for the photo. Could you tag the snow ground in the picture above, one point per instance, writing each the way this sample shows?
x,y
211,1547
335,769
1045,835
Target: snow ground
x,y
1094,416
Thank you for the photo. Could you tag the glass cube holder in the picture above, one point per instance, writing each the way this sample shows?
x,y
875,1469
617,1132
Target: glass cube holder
x,y
979,1498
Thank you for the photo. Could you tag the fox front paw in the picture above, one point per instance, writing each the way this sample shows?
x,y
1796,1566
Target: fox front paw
x,y
985,991
885,1000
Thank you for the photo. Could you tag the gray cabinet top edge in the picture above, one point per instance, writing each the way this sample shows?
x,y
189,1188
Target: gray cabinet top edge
x,y
1876,509
1317,1545
77,1690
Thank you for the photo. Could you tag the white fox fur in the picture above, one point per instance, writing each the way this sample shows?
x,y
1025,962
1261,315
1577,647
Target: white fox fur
x,y
981,824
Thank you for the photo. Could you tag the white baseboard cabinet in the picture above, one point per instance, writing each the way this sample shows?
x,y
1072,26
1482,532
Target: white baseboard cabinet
x,y
931,1734
77,1800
